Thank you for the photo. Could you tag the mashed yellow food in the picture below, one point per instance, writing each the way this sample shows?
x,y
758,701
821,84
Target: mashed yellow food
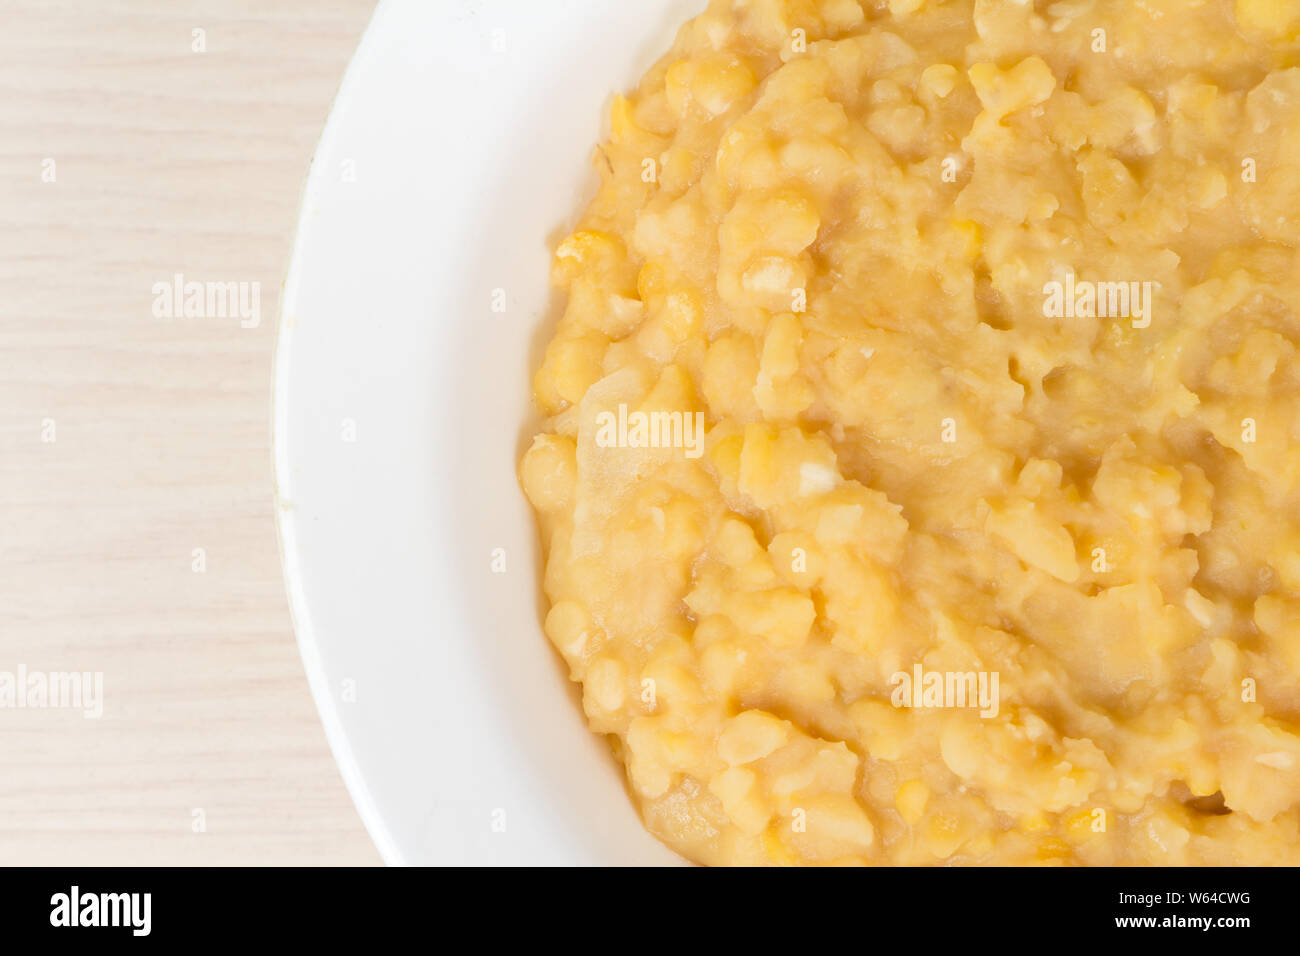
x,y
988,547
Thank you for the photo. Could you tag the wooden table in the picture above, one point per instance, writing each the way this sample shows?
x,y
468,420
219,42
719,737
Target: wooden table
x,y
136,524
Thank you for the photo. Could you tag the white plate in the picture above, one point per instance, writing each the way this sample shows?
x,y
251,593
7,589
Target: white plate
x,y
457,151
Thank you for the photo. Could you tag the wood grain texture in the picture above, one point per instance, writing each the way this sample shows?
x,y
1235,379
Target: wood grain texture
x,y
166,161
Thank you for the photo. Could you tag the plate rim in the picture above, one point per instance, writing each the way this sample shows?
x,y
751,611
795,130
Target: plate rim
x,y
290,558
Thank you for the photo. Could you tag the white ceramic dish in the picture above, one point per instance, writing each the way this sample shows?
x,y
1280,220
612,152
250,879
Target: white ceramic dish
x,y
457,151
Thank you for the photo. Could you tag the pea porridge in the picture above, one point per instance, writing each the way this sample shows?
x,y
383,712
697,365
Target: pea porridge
x,y
919,481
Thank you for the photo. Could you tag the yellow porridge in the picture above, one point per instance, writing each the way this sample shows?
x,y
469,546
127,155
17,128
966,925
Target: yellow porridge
x,y
919,479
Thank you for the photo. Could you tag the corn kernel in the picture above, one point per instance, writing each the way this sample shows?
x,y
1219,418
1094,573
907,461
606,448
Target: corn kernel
x,y
910,801
940,79
1273,18
549,472
567,625
606,683
751,736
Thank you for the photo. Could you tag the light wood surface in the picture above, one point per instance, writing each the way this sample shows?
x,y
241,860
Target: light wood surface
x,y
165,161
